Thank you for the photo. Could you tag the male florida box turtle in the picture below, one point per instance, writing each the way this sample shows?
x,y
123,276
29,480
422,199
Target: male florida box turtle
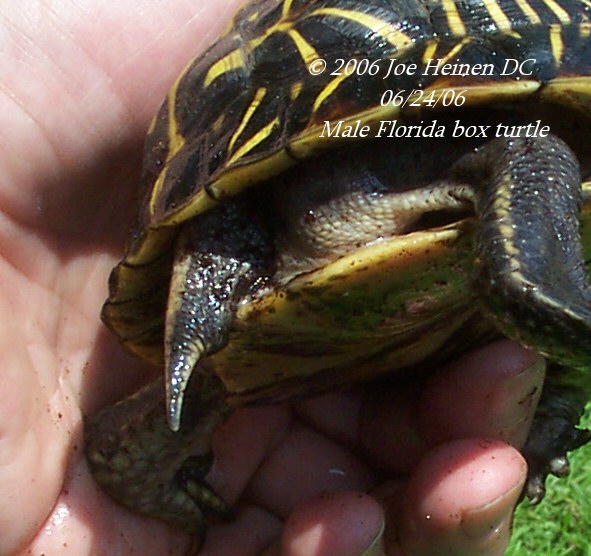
x,y
258,272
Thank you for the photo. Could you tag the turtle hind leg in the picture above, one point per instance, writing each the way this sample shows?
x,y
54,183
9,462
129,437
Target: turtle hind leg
x,y
532,280
141,463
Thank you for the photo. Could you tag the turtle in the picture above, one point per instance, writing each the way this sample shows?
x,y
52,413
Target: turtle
x,y
339,190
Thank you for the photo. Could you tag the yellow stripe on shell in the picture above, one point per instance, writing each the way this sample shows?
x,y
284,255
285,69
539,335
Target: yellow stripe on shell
x,y
284,25
479,94
454,20
308,142
175,143
200,202
231,182
430,51
229,62
255,140
175,140
456,49
248,114
382,28
286,8
236,179
329,89
497,14
217,125
279,27
295,90
529,12
573,92
556,42
306,50
558,10
235,59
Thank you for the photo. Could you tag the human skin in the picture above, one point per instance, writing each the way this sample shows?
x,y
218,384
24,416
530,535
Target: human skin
x,y
80,82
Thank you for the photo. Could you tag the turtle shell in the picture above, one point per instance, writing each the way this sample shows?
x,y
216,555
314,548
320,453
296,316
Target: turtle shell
x,y
256,103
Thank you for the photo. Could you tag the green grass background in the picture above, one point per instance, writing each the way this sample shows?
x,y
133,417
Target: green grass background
x,y
561,524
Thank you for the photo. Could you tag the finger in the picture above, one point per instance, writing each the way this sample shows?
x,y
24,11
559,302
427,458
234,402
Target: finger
x,y
345,523
461,499
250,533
491,392
380,420
305,465
390,435
335,414
242,443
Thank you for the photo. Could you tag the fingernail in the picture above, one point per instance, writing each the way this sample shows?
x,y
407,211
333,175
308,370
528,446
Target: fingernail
x,y
493,519
376,547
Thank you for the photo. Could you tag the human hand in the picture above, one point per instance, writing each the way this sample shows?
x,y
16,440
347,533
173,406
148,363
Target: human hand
x,y
426,453
80,84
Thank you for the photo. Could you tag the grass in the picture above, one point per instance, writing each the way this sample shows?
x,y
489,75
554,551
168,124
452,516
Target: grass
x,y
561,524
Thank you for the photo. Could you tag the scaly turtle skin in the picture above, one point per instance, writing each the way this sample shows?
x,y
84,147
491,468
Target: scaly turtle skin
x,y
251,282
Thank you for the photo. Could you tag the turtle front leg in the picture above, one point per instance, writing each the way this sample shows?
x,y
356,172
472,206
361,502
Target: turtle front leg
x,y
144,465
532,280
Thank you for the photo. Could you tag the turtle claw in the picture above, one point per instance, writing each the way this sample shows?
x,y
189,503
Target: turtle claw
x,y
535,487
553,434
547,455
191,478
559,467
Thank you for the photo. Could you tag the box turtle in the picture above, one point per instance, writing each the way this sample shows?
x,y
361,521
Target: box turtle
x,y
341,189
